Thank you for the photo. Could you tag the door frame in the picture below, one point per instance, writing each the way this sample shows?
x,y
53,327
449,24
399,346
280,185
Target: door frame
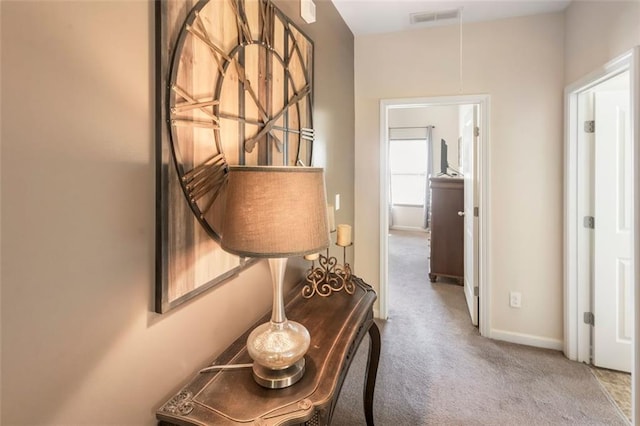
x,y
577,293
484,219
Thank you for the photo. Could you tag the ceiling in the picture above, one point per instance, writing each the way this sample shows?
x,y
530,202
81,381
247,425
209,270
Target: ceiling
x,y
384,16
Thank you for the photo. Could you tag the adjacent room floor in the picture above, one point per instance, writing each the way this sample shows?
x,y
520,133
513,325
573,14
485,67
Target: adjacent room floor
x,y
436,369
618,387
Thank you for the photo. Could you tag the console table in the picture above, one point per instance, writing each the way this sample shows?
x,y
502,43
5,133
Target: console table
x,y
337,325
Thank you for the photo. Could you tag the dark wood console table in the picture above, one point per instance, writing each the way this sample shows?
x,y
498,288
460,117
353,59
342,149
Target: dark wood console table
x,y
337,325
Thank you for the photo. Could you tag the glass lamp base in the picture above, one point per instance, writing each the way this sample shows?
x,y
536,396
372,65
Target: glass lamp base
x,y
278,346
278,379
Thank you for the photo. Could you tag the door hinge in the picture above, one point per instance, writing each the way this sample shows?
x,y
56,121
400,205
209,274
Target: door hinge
x,y
589,222
590,126
476,211
589,318
476,291
476,131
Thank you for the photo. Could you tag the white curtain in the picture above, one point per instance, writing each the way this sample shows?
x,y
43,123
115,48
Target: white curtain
x,y
427,196
415,133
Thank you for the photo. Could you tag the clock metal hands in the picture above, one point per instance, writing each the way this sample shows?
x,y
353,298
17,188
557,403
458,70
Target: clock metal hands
x,y
246,84
250,144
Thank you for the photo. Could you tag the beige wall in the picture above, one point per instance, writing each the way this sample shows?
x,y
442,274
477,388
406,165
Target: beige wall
x,y
80,343
596,32
519,63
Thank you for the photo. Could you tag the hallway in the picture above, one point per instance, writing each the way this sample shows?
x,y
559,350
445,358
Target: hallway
x,y
436,369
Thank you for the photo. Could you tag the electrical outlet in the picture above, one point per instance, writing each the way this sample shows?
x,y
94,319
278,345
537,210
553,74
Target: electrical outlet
x,y
515,299
337,204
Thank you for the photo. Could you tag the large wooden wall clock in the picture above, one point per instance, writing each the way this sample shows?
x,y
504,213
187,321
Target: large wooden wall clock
x,y
234,87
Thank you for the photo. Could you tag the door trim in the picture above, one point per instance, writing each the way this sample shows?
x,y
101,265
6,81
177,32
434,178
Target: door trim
x,y
577,293
484,196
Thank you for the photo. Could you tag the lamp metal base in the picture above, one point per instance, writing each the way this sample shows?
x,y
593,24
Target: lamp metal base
x,y
278,379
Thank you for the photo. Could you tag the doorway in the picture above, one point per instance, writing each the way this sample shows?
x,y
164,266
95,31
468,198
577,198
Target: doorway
x,y
477,284
601,216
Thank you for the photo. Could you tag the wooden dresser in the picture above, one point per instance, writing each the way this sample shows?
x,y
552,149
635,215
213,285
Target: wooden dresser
x,y
447,228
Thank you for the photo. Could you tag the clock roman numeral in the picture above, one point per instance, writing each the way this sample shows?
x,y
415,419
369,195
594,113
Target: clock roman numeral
x,y
308,134
206,41
295,50
206,178
210,185
244,32
305,133
267,13
188,106
191,104
193,177
187,122
203,36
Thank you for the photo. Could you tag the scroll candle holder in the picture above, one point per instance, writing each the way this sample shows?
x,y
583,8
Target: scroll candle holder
x,y
329,276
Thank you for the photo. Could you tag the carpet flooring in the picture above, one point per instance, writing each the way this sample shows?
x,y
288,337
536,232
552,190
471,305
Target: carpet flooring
x,y
618,386
436,369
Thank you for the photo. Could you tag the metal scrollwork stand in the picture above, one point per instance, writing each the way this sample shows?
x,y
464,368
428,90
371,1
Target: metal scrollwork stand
x,y
328,277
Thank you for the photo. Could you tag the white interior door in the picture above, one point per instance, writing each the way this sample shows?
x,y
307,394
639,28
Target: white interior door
x,y
613,266
469,166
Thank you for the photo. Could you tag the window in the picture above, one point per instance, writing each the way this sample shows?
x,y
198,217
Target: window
x,y
408,165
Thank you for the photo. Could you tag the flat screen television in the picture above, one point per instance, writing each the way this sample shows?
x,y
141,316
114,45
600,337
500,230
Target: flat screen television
x,y
444,163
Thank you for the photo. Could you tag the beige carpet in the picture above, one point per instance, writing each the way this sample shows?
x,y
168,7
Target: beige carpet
x,y
618,386
436,369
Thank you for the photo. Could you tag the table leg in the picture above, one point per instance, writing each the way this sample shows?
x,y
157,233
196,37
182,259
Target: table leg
x,y
372,371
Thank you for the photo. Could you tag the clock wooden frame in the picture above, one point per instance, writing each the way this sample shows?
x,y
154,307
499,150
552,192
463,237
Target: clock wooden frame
x,y
234,85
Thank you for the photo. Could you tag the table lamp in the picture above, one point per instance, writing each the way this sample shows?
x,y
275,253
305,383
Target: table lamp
x,y
276,213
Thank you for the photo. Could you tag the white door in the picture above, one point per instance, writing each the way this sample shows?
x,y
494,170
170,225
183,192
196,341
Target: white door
x,y
469,117
613,267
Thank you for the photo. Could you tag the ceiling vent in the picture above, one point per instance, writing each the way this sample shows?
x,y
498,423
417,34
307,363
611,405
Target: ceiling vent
x,y
434,17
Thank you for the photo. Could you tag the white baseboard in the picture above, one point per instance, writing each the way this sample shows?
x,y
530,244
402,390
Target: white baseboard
x,y
376,313
527,339
468,295
408,228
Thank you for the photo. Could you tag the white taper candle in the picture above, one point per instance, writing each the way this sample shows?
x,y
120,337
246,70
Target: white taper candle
x,y
331,215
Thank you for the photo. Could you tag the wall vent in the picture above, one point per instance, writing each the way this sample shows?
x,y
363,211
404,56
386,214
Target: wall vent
x,y
433,17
